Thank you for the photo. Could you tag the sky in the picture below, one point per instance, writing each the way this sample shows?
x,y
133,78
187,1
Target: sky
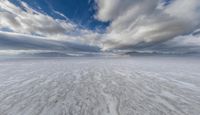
x,y
94,26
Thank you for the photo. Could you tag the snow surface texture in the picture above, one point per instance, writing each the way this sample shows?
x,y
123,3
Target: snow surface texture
x,y
132,86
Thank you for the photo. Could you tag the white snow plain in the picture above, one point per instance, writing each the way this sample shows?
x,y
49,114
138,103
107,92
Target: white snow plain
x,y
100,86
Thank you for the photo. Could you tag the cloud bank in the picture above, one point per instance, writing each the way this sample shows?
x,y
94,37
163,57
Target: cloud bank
x,y
20,44
141,22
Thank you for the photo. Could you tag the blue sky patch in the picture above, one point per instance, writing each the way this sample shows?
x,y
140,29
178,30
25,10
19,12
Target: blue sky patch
x,y
80,12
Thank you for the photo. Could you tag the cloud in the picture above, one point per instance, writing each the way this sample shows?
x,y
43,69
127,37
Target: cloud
x,y
136,22
16,41
188,44
28,21
25,20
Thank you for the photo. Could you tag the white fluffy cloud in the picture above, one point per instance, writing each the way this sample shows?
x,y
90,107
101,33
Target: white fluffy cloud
x,y
136,22
26,20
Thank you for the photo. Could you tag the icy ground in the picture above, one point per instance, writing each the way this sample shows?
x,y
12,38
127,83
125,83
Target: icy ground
x,y
113,86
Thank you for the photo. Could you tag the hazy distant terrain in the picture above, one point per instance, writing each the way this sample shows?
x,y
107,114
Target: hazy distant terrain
x,y
100,86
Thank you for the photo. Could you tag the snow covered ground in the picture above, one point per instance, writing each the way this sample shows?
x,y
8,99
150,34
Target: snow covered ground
x,y
100,86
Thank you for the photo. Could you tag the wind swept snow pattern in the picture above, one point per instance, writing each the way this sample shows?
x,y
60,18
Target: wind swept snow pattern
x,y
130,86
